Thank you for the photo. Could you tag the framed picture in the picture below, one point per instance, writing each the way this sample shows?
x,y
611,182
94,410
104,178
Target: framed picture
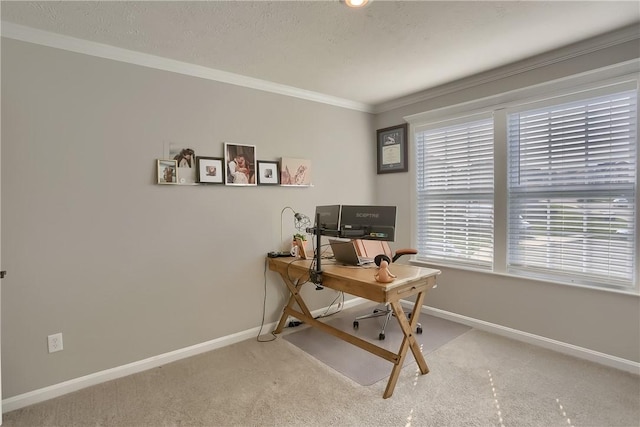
x,y
186,162
167,171
240,161
295,172
210,170
392,149
268,173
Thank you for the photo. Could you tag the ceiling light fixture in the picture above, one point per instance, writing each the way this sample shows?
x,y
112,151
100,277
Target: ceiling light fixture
x,y
356,3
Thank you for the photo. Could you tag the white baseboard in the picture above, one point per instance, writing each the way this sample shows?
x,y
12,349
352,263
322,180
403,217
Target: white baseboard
x,y
559,346
56,390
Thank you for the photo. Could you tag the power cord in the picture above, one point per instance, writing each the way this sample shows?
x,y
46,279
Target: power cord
x,y
264,306
298,283
338,310
313,265
294,323
264,300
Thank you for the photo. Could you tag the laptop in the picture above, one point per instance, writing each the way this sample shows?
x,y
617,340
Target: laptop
x,y
345,252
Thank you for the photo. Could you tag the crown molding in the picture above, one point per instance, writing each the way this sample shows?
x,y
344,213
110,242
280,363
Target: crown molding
x,y
584,47
86,47
58,41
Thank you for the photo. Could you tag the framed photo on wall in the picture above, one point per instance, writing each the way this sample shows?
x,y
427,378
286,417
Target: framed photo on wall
x,y
240,161
295,172
185,158
167,171
210,170
268,173
392,149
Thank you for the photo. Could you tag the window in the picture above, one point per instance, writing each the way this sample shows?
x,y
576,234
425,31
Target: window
x,y
564,180
572,176
455,193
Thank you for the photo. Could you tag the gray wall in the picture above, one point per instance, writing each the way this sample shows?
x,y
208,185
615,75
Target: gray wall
x,y
127,269
597,320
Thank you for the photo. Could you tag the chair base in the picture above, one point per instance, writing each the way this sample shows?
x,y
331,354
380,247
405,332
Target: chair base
x,y
382,312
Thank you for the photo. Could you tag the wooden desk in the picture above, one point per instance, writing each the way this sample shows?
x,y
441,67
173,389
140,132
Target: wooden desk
x,y
410,281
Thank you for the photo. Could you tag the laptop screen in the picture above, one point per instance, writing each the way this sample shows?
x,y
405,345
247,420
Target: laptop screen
x,y
344,251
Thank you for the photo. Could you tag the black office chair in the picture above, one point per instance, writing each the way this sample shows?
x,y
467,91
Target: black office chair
x,y
376,249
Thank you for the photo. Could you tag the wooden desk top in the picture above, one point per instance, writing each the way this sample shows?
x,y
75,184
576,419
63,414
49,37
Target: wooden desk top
x,y
360,281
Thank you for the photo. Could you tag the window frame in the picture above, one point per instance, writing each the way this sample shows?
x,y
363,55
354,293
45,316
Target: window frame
x,y
599,81
486,197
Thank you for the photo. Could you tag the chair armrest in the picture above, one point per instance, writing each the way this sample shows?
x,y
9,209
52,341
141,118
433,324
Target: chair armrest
x,y
406,251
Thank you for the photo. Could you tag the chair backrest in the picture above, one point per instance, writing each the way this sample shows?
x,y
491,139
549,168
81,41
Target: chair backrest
x,y
371,248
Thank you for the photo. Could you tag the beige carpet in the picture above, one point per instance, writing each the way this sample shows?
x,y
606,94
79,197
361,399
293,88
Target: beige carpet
x,y
476,379
360,365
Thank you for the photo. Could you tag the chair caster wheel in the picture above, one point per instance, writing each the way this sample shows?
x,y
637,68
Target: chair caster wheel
x,y
419,330
356,324
381,336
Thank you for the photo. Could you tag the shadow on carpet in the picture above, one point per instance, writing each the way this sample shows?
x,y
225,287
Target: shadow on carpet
x,y
360,365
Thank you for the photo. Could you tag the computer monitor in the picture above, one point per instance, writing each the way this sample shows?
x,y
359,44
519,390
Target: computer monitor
x,y
329,219
368,222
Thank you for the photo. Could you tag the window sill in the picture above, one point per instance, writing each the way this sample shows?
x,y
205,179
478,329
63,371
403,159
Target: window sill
x,y
631,292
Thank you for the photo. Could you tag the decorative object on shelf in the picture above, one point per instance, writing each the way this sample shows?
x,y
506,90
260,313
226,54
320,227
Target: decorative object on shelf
x,y
167,171
300,240
186,162
295,172
210,170
268,173
240,163
392,149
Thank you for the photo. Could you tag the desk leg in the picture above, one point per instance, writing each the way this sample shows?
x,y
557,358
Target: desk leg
x,y
294,298
408,341
415,348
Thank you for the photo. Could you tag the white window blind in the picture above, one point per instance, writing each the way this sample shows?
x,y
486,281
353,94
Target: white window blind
x,y
572,186
455,193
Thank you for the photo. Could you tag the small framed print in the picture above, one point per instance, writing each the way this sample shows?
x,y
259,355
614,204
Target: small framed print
x,y
167,171
210,170
268,173
392,149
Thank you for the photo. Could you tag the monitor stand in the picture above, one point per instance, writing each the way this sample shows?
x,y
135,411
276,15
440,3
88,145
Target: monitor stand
x,y
316,273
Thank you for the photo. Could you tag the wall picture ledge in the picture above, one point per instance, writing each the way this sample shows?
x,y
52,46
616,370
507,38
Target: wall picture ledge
x,y
237,166
392,149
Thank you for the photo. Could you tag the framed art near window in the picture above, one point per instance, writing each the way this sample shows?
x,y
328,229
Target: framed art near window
x,y
268,173
210,170
392,149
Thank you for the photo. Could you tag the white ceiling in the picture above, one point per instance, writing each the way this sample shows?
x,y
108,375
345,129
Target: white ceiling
x,y
386,50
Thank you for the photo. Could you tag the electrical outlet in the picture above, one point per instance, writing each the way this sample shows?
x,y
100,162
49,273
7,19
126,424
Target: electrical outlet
x,y
55,342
